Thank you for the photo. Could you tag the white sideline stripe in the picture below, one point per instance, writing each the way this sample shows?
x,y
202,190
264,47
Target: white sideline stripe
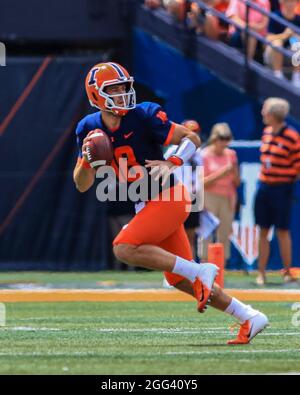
x,y
113,330
29,329
171,353
218,331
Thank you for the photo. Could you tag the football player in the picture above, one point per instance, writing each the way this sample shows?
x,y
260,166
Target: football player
x,y
155,238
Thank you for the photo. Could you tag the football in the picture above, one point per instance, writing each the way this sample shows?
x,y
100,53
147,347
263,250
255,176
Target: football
x,y
99,149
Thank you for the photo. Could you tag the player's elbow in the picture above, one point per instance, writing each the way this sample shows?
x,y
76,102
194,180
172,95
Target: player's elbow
x,y
81,188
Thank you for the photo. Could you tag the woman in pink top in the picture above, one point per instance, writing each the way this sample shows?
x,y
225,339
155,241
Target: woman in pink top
x,y
221,178
257,21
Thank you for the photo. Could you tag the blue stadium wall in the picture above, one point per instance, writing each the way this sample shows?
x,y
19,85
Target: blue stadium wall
x,y
45,223
188,90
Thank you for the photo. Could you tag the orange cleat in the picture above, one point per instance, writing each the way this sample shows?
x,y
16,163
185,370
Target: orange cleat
x,y
250,328
203,285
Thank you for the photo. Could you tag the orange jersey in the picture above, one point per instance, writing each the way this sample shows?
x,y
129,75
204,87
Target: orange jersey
x,y
280,156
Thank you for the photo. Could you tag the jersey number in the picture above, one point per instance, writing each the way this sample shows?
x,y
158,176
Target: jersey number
x,y
128,169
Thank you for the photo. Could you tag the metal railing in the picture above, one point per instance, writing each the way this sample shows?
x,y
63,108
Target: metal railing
x,y
248,32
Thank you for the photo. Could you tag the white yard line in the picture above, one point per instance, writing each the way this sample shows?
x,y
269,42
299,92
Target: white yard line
x,y
196,331
228,351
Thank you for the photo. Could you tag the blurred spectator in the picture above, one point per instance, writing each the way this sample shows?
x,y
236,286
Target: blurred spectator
x,y
210,25
153,3
195,18
257,22
275,6
221,179
280,160
215,27
177,8
282,36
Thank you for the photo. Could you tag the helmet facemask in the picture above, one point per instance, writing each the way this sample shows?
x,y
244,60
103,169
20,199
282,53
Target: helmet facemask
x,y
128,98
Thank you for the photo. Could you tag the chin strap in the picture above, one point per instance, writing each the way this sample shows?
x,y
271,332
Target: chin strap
x,y
184,152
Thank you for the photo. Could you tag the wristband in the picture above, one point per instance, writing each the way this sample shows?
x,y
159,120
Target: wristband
x,y
185,150
175,160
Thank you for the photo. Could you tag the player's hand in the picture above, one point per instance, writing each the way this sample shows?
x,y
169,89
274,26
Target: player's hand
x,y
160,169
85,145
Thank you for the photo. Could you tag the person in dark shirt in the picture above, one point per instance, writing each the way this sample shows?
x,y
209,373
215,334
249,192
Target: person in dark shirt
x,y
281,36
280,169
275,6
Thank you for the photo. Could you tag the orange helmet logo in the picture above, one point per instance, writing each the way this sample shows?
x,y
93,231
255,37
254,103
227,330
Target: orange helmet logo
x,y
105,75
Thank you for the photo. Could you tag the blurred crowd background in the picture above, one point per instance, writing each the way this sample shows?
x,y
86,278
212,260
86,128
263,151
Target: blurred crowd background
x,y
212,62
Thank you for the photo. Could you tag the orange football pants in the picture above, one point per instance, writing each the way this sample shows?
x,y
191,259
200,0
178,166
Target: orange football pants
x,y
160,223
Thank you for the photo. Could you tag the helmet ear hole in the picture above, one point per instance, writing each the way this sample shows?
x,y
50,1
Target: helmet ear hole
x,y
94,96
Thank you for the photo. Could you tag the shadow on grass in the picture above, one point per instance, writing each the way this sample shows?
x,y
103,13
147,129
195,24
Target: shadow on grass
x,y
270,284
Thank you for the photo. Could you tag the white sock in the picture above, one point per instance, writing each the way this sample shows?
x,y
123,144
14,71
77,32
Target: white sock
x,y
185,268
240,311
278,74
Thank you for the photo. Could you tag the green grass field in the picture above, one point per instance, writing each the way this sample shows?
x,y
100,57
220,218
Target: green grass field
x,y
136,337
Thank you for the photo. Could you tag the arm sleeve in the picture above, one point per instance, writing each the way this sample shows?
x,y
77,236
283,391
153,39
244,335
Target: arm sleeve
x,y
198,158
170,151
161,127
